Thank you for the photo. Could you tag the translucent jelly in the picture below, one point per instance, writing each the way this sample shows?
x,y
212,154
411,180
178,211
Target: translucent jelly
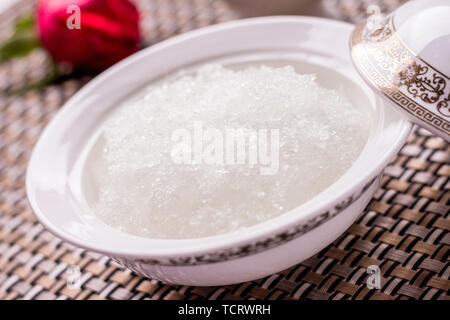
x,y
160,176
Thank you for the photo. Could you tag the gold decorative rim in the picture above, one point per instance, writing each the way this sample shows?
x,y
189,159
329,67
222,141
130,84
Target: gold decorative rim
x,y
388,64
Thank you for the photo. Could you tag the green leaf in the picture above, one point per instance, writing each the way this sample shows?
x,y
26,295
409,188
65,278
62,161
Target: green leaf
x,y
22,41
18,45
25,23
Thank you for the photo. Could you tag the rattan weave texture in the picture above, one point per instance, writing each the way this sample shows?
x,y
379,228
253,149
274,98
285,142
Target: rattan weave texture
x,y
404,230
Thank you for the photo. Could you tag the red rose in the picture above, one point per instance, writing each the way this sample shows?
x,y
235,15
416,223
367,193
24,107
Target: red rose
x,y
108,31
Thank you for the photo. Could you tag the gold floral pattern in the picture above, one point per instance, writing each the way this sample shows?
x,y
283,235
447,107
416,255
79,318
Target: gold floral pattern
x,y
418,84
407,80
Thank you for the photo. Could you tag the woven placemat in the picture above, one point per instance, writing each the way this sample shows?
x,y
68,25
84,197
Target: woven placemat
x,y
404,230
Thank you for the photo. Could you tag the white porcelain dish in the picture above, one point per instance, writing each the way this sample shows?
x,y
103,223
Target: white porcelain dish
x,y
59,197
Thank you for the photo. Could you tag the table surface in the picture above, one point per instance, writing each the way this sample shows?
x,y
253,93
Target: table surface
x,y
404,230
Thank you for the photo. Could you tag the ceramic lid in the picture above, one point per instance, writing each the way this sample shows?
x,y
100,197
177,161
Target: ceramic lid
x,y
405,56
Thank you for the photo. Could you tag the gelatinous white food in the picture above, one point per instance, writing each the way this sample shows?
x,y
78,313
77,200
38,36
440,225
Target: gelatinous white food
x,y
143,191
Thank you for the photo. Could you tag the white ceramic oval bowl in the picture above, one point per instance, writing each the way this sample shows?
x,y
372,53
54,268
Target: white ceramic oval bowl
x,y
57,196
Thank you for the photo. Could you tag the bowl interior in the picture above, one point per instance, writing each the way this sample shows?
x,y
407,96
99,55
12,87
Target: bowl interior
x,y
61,193
82,180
